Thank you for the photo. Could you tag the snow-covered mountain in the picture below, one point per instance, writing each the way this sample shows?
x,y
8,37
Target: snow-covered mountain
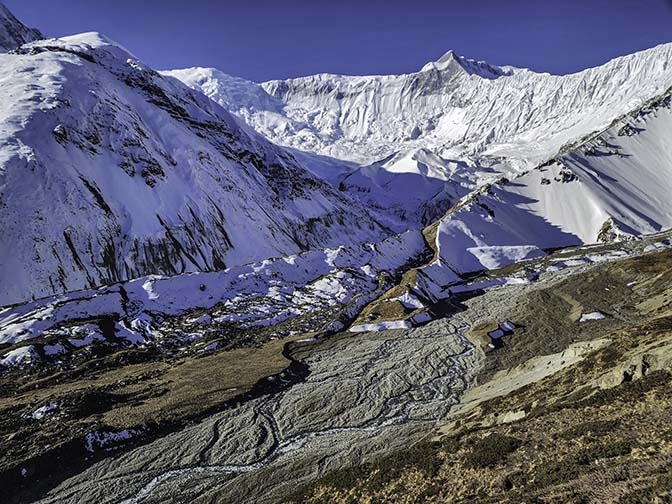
x,y
456,107
13,32
530,161
109,171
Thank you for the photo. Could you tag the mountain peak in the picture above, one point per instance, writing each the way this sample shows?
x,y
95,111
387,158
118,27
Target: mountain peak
x,y
452,61
447,60
447,57
13,32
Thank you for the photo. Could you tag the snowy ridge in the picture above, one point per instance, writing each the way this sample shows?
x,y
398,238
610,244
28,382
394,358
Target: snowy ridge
x,y
472,67
110,171
455,107
237,95
427,139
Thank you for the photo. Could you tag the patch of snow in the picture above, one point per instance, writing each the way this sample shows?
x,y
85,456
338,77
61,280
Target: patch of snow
x,y
382,326
409,300
42,411
516,281
107,439
305,340
608,256
210,347
367,270
205,319
494,257
585,317
20,356
88,339
148,288
507,326
133,337
560,265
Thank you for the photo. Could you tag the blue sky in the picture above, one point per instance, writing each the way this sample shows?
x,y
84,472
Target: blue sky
x,y
262,40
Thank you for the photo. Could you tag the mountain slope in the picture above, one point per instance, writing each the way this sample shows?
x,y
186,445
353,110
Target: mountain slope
x,y
13,32
612,186
427,139
110,171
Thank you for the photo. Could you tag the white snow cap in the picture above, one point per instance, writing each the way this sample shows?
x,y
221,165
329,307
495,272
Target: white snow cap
x,y
87,43
452,61
442,63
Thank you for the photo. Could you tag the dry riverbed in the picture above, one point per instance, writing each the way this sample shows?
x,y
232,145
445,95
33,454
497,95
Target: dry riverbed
x,y
578,415
256,422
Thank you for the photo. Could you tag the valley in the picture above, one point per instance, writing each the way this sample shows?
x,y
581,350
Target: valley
x,y
447,285
361,395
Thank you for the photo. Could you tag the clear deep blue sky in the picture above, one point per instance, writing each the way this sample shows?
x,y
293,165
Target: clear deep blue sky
x,y
262,40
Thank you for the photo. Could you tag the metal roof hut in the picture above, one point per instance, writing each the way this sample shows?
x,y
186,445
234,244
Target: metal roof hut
x,y
503,329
